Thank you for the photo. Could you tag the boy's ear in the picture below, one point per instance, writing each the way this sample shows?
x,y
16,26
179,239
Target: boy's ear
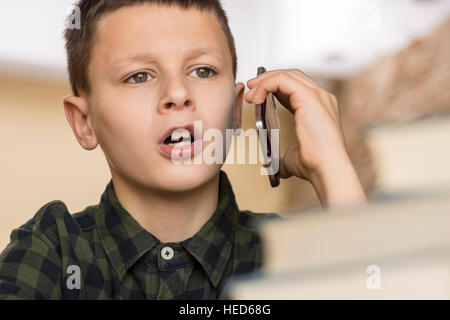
x,y
76,110
239,103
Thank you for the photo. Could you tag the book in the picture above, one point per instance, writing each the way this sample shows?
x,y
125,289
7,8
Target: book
x,y
411,155
397,247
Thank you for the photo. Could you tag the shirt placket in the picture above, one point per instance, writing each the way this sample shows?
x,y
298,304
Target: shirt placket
x,y
171,264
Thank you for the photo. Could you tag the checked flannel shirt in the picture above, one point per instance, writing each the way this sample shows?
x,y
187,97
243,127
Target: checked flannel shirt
x,y
114,257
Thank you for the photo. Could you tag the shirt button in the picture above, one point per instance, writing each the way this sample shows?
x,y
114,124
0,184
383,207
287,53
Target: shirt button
x,y
167,253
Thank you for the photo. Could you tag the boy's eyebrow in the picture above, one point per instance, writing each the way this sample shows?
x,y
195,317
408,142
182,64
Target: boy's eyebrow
x,y
148,57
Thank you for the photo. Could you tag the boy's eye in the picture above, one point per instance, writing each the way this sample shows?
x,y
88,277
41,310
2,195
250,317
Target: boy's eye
x,y
142,77
203,72
139,77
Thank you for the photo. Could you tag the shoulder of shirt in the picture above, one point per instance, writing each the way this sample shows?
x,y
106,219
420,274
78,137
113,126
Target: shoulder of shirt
x,y
53,221
249,220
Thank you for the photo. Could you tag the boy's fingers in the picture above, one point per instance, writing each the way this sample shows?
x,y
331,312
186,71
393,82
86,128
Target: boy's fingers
x,y
294,72
284,86
289,164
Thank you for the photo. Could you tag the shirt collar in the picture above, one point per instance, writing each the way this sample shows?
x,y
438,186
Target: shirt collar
x,y
126,241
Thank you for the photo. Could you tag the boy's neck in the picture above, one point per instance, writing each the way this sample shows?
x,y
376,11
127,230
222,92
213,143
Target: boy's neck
x,y
169,217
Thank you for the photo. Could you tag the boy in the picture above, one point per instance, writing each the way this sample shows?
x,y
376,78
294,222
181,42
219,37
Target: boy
x,y
139,70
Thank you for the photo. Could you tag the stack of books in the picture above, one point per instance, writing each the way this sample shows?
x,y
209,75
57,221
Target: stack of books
x,y
397,247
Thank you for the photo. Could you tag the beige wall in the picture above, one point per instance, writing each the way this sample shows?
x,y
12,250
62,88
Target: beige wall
x,y
41,160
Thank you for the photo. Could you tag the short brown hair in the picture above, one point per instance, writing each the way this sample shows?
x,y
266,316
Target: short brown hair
x,y
79,41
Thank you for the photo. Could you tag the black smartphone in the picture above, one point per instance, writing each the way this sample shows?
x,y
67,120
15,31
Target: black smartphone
x,y
267,119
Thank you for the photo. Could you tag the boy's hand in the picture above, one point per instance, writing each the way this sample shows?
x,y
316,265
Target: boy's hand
x,y
320,156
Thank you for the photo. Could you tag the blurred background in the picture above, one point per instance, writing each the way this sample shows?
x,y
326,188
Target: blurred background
x,y
384,60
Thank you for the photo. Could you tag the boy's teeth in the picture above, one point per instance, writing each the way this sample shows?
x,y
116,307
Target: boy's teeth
x,y
181,133
180,144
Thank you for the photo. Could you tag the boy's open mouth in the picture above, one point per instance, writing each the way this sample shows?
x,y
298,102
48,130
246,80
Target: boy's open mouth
x,y
179,136
182,140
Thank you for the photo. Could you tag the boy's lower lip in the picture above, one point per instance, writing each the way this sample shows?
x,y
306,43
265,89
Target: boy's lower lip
x,y
184,152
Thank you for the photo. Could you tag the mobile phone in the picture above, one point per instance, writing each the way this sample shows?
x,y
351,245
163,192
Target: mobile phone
x,y
267,119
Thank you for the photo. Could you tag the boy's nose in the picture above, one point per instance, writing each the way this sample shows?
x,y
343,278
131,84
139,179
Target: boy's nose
x,y
175,104
176,96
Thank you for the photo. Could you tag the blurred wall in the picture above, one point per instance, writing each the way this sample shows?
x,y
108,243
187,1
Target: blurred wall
x,y
40,159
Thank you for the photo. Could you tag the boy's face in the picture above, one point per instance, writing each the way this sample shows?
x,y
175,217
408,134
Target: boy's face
x,y
127,115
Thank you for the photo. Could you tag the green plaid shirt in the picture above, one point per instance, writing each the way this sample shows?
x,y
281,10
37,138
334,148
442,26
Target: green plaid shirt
x,y
102,252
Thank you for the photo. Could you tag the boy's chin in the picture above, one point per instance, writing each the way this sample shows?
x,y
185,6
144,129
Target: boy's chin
x,y
184,177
